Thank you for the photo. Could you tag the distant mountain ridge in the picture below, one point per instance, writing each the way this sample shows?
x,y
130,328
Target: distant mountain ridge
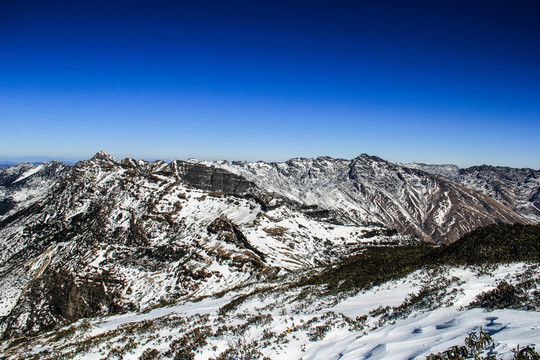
x,y
36,160
519,189
368,189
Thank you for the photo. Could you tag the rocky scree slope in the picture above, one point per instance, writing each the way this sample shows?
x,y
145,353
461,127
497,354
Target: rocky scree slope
x,y
368,189
108,236
518,189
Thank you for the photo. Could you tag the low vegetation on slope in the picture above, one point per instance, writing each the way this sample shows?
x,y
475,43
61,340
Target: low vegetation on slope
x,y
495,244
475,344
499,243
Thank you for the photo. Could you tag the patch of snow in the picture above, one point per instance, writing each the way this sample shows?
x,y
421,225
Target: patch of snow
x,y
30,172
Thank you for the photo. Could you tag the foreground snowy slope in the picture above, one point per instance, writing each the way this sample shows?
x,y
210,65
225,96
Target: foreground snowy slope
x,y
423,313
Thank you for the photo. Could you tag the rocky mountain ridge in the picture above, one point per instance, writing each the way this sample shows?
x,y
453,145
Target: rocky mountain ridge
x,y
107,236
368,189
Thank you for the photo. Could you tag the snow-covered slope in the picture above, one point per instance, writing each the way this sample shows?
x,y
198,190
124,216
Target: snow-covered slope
x,y
368,189
24,185
425,312
115,236
519,189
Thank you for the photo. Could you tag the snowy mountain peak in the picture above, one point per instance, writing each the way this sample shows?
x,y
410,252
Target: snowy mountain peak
x,y
373,158
102,155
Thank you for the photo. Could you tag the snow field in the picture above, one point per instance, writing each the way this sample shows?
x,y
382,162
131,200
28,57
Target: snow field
x,y
281,325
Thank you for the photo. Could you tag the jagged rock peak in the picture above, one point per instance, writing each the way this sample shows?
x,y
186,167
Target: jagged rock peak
x,y
330,159
299,159
102,155
365,157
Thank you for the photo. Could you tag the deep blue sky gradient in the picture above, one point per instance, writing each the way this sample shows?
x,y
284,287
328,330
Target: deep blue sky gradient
x,y
427,81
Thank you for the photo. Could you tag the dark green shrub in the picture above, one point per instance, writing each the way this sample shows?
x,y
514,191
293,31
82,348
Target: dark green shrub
x,y
494,244
150,354
476,344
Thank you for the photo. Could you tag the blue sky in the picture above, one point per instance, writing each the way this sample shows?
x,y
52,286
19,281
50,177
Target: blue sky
x,y
426,81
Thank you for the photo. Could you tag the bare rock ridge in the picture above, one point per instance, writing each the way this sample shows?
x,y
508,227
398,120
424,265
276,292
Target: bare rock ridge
x,y
213,179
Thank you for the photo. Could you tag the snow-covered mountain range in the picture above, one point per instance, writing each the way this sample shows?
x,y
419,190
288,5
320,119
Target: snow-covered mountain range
x,y
368,189
106,236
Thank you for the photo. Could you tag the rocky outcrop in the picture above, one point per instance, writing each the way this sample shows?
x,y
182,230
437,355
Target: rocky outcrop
x,y
229,232
212,178
64,297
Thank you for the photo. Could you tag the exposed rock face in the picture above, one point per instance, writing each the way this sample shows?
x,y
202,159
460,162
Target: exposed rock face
x,y
518,189
213,179
368,189
230,233
63,296
105,236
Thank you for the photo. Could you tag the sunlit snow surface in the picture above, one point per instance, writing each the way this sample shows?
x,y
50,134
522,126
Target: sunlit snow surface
x,y
292,322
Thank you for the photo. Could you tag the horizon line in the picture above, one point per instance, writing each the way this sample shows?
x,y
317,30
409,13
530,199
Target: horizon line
x,y
38,159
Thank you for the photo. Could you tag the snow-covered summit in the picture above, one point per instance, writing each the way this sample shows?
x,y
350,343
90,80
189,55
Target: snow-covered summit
x,y
103,156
